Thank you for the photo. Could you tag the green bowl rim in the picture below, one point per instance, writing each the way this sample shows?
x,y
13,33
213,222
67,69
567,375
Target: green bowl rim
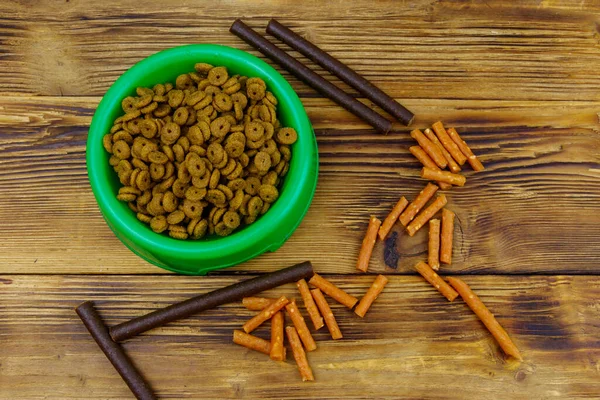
x,y
258,232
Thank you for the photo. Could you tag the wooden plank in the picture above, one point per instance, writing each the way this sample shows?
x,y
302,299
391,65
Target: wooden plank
x,y
519,80
411,344
451,49
536,203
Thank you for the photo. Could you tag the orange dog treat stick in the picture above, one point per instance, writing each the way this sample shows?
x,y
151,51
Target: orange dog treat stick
x,y
265,314
257,303
420,154
332,325
430,148
277,352
418,203
447,234
362,264
436,281
426,215
448,143
433,247
309,303
486,317
444,176
300,325
392,217
331,290
252,342
466,150
299,354
371,295
452,165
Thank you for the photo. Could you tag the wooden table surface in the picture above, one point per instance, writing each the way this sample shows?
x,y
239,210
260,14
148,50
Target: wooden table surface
x,y
519,81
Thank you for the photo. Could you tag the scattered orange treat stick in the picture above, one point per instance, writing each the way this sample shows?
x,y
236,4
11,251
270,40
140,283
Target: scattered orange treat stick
x,y
257,303
447,234
418,203
252,342
369,297
309,303
444,176
433,258
362,264
486,317
392,217
300,325
430,148
420,154
265,314
448,143
436,281
452,165
331,290
299,354
332,325
277,352
426,214
466,150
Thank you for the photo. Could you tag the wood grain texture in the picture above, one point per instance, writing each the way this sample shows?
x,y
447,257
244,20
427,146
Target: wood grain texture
x,y
520,82
536,203
411,344
468,50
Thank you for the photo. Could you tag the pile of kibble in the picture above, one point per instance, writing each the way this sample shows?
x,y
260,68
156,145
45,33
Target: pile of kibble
x,y
203,156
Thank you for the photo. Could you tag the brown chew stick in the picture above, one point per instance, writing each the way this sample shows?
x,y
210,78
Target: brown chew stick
x,y
430,148
443,176
433,247
364,255
486,317
300,324
265,314
277,352
251,342
207,301
452,165
309,303
466,150
418,203
420,154
310,77
332,325
436,281
448,143
113,351
331,290
426,215
369,297
447,235
299,354
340,70
257,303
392,217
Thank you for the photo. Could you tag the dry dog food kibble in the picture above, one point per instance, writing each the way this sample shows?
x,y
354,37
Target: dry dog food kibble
x,y
205,155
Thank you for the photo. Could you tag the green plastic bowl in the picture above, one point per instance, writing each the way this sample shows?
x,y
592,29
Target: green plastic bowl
x,y
197,257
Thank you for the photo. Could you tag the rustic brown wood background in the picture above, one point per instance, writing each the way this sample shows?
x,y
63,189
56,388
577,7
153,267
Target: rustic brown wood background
x,y
520,79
